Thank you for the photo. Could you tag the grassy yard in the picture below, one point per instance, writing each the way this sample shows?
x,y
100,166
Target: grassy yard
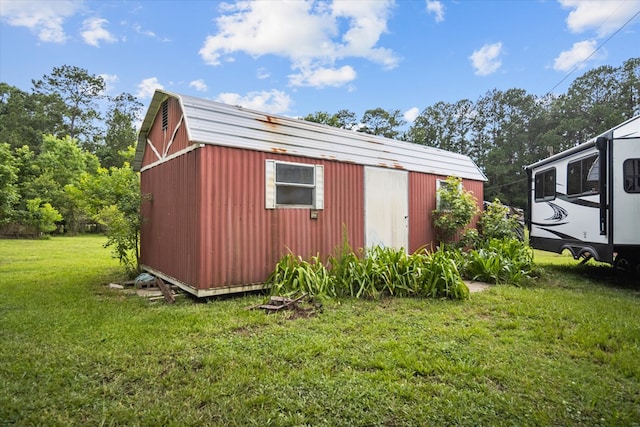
x,y
564,351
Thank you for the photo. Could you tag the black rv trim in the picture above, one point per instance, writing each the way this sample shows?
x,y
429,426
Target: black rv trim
x,y
601,145
610,190
599,251
530,190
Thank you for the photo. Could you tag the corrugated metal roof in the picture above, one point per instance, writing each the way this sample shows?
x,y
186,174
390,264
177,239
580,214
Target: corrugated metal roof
x,y
210,122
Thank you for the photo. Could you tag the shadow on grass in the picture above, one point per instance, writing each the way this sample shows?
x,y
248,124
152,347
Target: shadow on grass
x,y
577,276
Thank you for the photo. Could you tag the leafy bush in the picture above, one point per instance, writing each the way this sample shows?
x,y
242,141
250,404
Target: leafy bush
x,y
42,216
455,210
506,261
496,223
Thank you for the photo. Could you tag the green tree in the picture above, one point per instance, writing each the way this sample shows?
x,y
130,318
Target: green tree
x,y
112,198
41,216
629,76
444,125
508,120
382,122
25,117
44,176
8,179
121,133
343,119
79,92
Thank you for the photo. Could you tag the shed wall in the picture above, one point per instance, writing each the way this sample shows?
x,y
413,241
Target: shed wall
x,y
422,201
207,225
170,229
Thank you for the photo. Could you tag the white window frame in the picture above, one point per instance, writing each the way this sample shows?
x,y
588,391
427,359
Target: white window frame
x,y
271,186
439,184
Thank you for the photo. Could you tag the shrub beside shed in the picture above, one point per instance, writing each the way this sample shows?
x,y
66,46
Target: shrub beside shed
x,y
231,190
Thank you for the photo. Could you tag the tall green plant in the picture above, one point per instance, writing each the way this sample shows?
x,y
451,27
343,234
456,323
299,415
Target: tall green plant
x,y
381,271
456,208
496,223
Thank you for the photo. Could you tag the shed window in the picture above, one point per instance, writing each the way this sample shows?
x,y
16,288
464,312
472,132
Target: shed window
x,y
545,185
442,184
295,185
631,175
583,177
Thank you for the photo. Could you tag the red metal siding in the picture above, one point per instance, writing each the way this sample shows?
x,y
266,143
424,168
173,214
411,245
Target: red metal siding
x,y
241,241
170,233
207,225
161,139
422,201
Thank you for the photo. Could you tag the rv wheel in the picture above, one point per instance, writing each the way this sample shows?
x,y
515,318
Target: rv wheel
x,y
626,266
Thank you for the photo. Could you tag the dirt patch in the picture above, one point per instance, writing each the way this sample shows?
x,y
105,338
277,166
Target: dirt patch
x,y
477,286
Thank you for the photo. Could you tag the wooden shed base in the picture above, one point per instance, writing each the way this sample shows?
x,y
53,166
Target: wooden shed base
x,y
203,293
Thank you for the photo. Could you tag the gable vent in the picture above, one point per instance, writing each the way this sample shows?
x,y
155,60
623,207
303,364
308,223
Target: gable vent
x,y
165,115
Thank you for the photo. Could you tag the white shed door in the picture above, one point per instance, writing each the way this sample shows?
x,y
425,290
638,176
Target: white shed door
x,y
386,207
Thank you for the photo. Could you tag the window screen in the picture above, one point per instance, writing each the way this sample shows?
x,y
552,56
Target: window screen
x,y
545,185
294,185
631,175
583,177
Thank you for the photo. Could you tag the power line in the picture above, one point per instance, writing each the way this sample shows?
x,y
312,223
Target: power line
x,y
504,185
578,65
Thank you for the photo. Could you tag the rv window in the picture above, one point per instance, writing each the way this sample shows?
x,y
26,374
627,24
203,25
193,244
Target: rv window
x,y
545,185
631,172
294,185
583,177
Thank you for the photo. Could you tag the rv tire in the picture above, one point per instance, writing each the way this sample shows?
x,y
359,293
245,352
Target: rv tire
x,y
627,265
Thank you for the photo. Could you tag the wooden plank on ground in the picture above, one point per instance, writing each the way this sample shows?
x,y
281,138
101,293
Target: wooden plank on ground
x,y
166,291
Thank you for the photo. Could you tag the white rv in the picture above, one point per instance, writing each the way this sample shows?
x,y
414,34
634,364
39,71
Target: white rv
x,y
587,199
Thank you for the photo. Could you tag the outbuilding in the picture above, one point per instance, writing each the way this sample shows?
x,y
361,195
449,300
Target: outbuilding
x,y
229,191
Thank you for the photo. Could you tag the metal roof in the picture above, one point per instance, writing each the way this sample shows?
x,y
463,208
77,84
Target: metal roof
x,y
209,122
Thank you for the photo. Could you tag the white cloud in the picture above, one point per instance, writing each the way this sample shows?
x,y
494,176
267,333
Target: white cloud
x,y
110,80
147,87
322,77
411,114
309,34
273,101
148,33
568,59
603,16
44,18
263,73
93,32
486,60
138,29
199,85
437,9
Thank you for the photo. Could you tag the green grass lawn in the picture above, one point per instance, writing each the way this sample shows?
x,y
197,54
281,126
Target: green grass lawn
x,y
562,351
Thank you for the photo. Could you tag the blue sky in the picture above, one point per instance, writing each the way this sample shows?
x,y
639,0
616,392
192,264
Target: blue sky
x,y
298,57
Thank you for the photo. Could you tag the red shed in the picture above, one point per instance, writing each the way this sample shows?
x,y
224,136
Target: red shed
x,y
232,190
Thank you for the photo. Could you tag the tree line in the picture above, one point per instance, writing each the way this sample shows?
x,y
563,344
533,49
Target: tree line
x,y
503,131
65,153
66,147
